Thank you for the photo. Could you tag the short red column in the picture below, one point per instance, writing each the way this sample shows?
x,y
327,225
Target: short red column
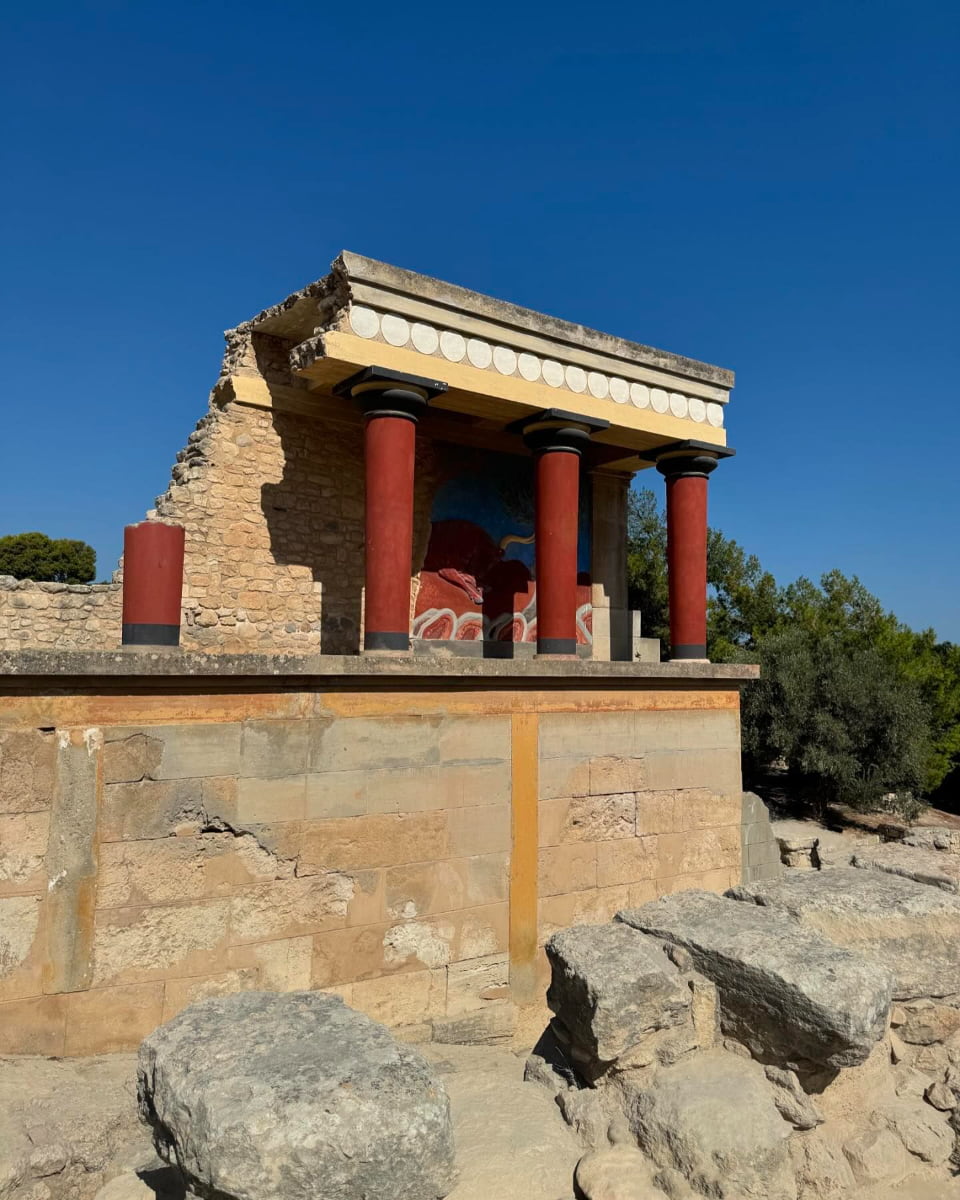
x,y
557,440
392,404
152,584
686,477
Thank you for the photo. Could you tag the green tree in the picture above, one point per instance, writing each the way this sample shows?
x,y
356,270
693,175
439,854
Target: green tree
x,y
647,564
47,560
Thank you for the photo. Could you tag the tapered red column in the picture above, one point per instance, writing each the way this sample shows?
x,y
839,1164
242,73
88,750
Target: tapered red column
x,y
152,584
392,404
557,440
686,476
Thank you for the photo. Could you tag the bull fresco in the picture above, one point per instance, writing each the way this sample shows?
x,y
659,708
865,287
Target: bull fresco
x,y
478,580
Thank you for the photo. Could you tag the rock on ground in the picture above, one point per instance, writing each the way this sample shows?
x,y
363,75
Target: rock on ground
x,y
68,1126
260,1095
610,985
512,1143
931,867
784,990
913,930
712,1117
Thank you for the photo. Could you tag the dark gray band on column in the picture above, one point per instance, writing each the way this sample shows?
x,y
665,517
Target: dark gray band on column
x,y
386,641
150,635
556,645
688,651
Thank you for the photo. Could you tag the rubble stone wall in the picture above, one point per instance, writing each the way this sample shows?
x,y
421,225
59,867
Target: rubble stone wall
x,y
48,616
158,846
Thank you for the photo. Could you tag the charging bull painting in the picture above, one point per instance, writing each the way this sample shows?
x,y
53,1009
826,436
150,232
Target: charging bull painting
x,y
478,579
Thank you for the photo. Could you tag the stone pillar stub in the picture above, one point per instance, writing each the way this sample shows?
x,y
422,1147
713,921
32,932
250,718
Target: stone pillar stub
x,y
72,860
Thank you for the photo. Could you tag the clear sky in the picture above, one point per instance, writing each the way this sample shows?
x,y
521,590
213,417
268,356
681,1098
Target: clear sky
x,y
766,186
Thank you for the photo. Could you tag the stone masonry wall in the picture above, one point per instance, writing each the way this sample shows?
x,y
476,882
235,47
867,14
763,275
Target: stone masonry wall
x,y
48,616
158,848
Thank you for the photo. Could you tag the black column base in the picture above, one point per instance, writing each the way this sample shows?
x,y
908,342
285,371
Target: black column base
x,y
688,652
142,634
386,641
556,645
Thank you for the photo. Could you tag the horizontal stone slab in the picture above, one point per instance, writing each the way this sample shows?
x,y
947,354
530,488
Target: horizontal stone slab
x,y
784,990
911,929
931,867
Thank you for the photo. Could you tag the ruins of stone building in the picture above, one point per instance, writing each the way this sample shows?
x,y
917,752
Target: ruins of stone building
x,y
407,731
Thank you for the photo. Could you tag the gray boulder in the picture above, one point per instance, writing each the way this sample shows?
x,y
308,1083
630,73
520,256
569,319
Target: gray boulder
x,y
712,1118
931,867
784,990
913,930
610,986
260,1096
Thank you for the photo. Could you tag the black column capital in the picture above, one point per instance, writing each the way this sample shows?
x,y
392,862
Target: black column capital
x,y
680,460
556,429
381,392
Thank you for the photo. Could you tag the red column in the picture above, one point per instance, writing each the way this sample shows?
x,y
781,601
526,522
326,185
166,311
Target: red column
x,y
389,447
152,584
557,439
686,477
392,403
557,518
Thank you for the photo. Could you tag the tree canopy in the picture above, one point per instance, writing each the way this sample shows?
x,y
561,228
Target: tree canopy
x,y
860,708
47,560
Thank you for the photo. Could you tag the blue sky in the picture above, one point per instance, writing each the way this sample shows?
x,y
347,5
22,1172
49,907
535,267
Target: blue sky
x,y
772,188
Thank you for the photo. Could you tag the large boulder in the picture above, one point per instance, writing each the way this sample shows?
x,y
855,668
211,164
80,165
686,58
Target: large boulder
x,y
712,1117
913,930
931,867
785,991
610,986
260,1096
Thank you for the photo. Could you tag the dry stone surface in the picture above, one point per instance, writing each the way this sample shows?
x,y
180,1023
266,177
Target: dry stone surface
x,y
784,990
258,1096
610,985
911,929
931,867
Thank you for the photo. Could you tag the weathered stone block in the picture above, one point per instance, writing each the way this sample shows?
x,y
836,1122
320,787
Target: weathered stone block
x,y
931,867
569,868
785,991
698,850
610,774
380,840
912,930
134,945
657,811
702,808
587,818
401,999
33,1026
475,983
474,740
628,861
610,986
150,809
27,760
110,1019
595,906
421,889
483,830
468,785
368,791
289,908
244,1089
272,749
20,955
718,770
281,966
275,799
192,751
23,845
374,743
130,758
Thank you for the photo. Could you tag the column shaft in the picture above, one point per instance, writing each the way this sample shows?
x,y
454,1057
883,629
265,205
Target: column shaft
x,y
687,564
557,518
389,449
152,584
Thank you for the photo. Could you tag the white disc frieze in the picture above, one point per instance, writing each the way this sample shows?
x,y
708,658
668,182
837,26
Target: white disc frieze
x,y
552,373
504,359
479,353
395,329
425,338
715,414
452,346
659,400
697,410
598,384
639,395
576,379
619,390
678,404
364,321
529,367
